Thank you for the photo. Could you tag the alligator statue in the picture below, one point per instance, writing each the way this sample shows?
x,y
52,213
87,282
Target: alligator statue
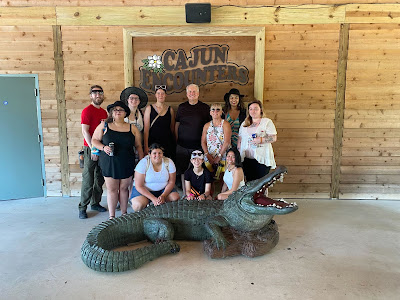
x,y
247,209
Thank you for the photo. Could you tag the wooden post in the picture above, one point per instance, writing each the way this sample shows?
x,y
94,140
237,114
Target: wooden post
x,y
128,59
61,109
340,105
259,66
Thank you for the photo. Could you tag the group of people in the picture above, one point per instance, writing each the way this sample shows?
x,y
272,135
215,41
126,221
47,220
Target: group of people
x,y
141,156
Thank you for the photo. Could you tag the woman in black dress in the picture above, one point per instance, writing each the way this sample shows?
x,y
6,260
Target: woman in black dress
x,y
159,124
118,164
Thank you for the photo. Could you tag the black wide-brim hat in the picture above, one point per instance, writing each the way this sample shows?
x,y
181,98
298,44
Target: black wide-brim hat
x,y
136,91
120,104
232,92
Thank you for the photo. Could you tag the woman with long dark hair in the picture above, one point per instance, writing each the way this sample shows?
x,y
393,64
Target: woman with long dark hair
x,y
234,113
233,176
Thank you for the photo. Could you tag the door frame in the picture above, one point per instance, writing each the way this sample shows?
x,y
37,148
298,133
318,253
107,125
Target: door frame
x,y
39,120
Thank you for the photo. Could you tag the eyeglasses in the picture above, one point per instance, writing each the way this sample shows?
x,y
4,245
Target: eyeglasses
x,y
133,97
97,92
215,109
198,154
119,110
163,87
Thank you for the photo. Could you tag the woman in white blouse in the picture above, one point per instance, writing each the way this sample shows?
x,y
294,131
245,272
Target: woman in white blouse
x,y
154,180
256,135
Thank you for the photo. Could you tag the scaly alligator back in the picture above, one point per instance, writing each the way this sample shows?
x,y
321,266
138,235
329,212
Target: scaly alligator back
x,y
187,218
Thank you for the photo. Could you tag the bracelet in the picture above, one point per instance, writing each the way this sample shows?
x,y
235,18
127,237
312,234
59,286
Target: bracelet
x,y
206,153
219,155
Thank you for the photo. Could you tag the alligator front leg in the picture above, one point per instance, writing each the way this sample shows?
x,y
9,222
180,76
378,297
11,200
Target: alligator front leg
x,y
213,226
159,231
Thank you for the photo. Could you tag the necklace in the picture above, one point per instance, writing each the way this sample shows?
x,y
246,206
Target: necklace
x,y
159,109
134,115
216,125
198,173
255,124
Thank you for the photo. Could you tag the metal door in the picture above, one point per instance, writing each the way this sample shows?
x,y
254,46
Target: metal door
x,y
21,155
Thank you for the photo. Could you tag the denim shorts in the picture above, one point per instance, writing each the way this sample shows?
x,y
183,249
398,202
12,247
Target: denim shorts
x,y
135,193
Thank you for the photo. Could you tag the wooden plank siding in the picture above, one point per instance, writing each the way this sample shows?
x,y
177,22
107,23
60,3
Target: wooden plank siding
x,y
92,55
300,79
299,96
30,50
371,140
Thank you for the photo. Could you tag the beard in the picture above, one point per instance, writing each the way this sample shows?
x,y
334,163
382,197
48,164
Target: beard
x,y
98,100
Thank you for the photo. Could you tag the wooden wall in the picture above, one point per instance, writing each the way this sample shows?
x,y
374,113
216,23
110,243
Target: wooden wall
x,y
178,2
300,88
300,92
30,50
371,141
92,55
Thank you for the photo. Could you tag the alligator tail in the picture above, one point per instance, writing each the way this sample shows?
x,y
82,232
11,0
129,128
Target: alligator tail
x,y
103,260
97,250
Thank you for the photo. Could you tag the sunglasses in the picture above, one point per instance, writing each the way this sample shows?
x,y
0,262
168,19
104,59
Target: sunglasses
x,y
97,92
120,110
163,87
198,154
215,109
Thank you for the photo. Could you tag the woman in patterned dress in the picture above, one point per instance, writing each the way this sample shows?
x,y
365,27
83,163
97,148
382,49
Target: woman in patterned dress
x,y
216,138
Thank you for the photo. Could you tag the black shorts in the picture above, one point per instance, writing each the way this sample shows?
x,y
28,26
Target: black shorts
x,y
253,169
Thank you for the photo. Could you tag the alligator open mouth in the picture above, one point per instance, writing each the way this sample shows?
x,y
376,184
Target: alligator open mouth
x,y
262,200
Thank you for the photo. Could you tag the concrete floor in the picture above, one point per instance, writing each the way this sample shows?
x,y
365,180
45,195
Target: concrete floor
x,y
327,250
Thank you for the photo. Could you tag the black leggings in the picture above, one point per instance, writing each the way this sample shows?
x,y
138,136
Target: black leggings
x,y
253,169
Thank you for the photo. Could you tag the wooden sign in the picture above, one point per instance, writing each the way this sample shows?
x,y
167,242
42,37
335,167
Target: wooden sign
x,y
206,64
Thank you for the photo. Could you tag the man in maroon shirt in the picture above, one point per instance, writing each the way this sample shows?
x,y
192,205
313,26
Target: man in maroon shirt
x,y
92,179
